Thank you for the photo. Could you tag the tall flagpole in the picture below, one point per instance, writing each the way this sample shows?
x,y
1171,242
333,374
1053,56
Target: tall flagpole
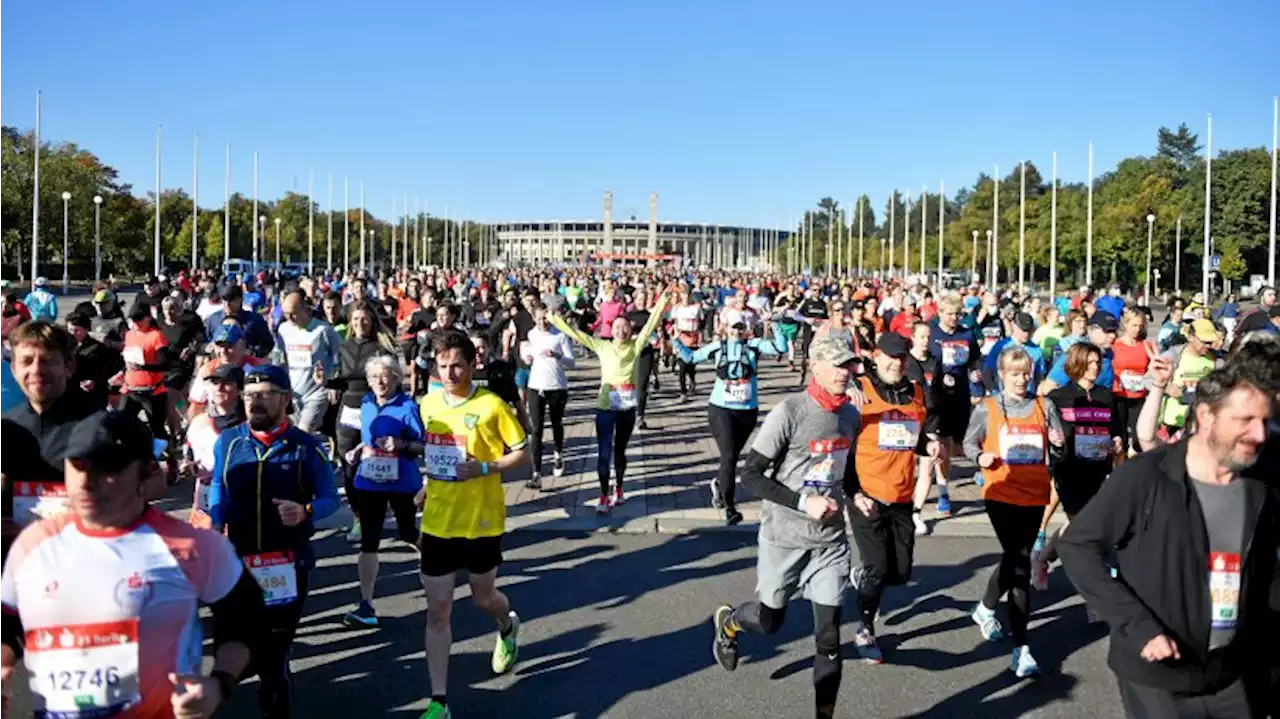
x,y
1275,133
1208,209
311,223
226,209
1053,232
346,225
364,266
35,202
404,258
328,264
1088,230
994,277
156,269
924,204
942,207
417,244
893,211
859,235
392,219
255,212
195,203
1022,229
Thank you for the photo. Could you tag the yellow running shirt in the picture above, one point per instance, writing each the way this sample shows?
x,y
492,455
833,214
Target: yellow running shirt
x,y
482,428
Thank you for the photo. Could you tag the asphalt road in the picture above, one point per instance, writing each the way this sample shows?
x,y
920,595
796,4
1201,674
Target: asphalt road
x,y
617,626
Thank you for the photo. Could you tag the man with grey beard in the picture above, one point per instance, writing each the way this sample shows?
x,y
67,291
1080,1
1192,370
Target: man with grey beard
x,y
1195,538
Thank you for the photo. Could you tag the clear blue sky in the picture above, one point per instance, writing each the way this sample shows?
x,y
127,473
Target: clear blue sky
x,y
734,112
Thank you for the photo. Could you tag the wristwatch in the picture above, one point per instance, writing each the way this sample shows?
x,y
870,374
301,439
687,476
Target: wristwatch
x,y
226,682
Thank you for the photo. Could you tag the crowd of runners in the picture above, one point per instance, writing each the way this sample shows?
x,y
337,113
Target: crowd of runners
x,y
272,400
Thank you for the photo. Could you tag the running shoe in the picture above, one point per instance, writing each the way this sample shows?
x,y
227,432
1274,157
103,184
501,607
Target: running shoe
x,y
436,710
725,646
361,616
868,650
557,466
684,397
643,424
619,498
717,500
602,505
977,479
732,517
354,534
922,529
1023,664
507,648
535,482
944,505
987,622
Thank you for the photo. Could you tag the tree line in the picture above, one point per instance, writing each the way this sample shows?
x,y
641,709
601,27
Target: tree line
x,y
1168,184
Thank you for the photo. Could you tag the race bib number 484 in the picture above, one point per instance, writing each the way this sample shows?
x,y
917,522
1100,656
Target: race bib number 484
x,y
276,574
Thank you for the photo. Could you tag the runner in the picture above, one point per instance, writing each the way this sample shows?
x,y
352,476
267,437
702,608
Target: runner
x,y
1007,438
802,543
959,359
548,354
1131,354
310,347
147,357
646,361
616,403
895,425
1102,334
735,403
391,440
226,410
139,655
686,319
228,349
95,363
472,439
923,369
1190,621
271,482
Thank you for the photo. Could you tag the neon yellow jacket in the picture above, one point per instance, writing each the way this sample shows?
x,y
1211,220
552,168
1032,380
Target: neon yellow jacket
x,y
617,359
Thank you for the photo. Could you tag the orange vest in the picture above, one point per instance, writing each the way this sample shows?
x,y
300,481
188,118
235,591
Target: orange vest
x,y
886,445
1019,475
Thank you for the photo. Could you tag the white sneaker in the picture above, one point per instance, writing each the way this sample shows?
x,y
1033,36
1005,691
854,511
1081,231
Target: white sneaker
x,y
922,529
1023,664
987,623
557,466
603,505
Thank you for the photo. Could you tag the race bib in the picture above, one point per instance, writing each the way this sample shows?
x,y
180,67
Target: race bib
x,y
349,417
83,670
380,467
955,354
622,396
898,432
828,458
275,573
1224,589
1132,381
34,501
989,339
133,355
738,391
202,494
1021,445
298,356
1093,443
444,453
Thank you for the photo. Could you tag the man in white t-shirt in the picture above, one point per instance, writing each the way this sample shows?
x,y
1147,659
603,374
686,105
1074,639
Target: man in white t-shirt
x,y
310,347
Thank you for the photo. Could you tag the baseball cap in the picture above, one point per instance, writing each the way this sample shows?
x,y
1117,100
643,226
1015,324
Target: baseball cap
x,y
831,350
79,319
102,296
227,373
228,334
1104,320
1205,331
893,344
111,441
1024,322
268,374
42,282
152,280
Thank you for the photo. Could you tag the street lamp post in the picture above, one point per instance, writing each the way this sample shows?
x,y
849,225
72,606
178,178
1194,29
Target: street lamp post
x,y
990,261
66,245
97,238
973,260
262,233
278,265
1151,224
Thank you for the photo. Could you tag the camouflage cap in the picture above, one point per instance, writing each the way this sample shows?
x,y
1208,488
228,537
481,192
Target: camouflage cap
x,y
831,350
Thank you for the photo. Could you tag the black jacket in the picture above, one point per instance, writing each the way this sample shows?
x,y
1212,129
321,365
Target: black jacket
x,y
97,363
1149,513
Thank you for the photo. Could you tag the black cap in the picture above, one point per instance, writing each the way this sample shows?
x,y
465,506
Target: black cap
x,y
79,319
232,292
893,344
139,310
1104,320
228,373
111,441
1024,322
152,280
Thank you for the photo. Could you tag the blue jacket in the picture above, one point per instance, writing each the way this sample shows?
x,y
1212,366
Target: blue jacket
x,y
42,304
248,475
734,359
398,418
991,376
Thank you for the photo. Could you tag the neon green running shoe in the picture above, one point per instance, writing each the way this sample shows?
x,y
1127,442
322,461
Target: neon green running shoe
x,y
508,647
436,710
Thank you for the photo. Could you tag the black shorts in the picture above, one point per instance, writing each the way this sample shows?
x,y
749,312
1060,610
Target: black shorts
x,y
954,417
443,556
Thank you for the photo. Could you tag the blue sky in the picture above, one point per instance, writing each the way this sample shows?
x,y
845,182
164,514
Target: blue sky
x,y
734,112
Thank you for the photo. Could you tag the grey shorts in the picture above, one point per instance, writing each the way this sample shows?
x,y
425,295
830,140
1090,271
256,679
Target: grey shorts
x,y
820,574
310,414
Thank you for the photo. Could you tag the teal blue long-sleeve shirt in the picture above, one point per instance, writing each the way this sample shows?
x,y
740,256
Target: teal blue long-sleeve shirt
x,y
734,355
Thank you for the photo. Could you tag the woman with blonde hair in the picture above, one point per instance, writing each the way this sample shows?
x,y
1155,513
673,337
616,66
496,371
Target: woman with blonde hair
x,y
1012,438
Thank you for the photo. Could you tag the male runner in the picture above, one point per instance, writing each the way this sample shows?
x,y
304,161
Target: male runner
x,y
805,439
